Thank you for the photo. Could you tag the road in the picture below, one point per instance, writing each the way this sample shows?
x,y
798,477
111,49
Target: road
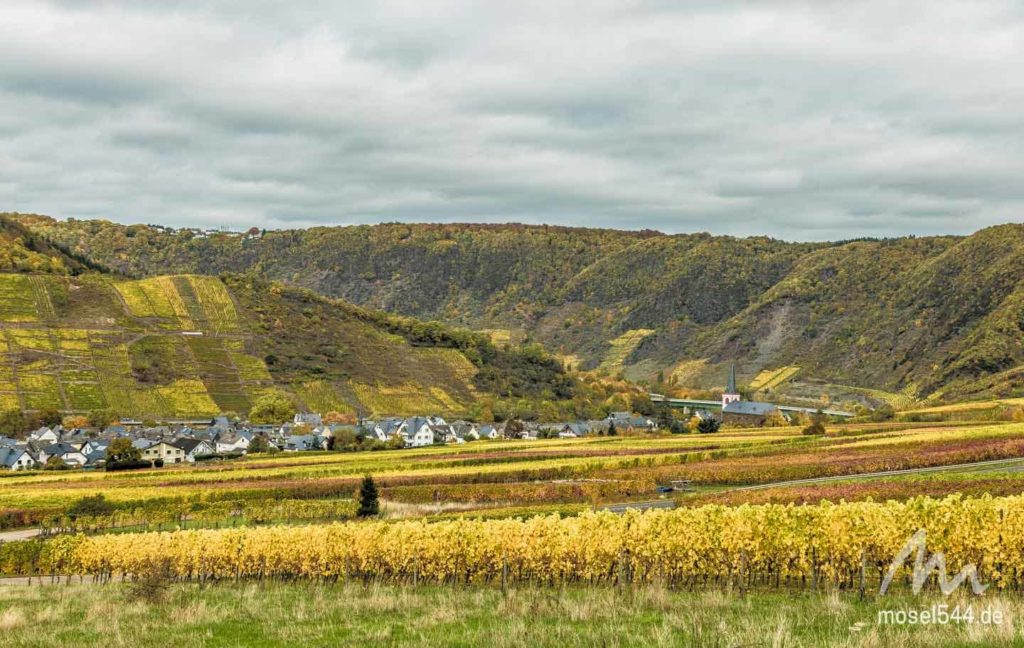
x,y
640,506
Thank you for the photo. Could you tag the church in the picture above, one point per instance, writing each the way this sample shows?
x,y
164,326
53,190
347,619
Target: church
x,y
737,411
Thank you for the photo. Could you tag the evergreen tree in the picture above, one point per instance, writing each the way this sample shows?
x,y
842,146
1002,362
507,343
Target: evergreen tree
x,y
369,506
611,429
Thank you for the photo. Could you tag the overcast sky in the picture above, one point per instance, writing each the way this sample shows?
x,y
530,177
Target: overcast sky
x,y
816,120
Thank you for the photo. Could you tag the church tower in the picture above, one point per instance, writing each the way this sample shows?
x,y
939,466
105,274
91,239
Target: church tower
x,y
731,394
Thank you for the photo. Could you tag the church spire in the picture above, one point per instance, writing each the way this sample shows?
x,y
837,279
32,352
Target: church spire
x,y
730,387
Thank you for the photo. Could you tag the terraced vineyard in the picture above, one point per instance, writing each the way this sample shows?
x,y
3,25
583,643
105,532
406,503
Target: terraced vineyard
x,y
622,347
902,400
771,378
186,345
502,337
78,344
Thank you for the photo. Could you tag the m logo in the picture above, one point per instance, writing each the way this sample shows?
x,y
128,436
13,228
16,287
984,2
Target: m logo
x,y
922,569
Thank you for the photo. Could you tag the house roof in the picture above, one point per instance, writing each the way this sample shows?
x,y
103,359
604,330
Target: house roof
x,y
309,418
578,428
96,455
59,449
187,444
9,456
750,408
302,441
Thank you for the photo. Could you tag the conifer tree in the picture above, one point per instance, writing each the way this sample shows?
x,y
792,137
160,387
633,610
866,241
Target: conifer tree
x,y
369,506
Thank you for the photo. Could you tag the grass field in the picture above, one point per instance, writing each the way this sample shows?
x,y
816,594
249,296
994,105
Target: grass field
x,y
315,615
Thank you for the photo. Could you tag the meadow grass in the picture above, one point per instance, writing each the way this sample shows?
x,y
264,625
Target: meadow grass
x,y
279,614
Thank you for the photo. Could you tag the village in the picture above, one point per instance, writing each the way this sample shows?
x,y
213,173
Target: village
x,y
131,444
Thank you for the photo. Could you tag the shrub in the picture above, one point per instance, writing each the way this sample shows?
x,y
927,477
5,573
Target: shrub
x,y
260,443
101,418
94,505
775,419
816,428
151,582
56,463
112,466
882,413
273,407
709,425
122,451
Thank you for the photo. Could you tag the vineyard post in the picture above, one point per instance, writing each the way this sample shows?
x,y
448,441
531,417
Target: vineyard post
x,y
863,569
743,571
620,576
814,569
504,575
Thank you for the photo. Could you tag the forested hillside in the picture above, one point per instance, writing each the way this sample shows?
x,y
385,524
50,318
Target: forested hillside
x,y
908,318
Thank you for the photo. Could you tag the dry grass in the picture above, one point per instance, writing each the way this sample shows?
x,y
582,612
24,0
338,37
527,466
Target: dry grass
x,y
305,614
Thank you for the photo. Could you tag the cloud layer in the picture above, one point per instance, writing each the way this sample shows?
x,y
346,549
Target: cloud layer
x,y
799,120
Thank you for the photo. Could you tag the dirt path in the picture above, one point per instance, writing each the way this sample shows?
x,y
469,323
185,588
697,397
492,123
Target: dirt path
x,y
993,463
23,581
640,506
21,534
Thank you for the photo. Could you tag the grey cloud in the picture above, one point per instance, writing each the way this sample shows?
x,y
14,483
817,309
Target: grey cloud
x,y
801,120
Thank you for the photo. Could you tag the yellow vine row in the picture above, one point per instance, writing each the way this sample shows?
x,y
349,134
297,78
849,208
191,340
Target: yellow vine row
x,y
826,543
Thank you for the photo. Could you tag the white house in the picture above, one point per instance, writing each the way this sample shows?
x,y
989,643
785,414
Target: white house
x,y
324,433
95,445
233,444
16,458
488,432
71,455
44,435
301,442
417,432
194,448
573,431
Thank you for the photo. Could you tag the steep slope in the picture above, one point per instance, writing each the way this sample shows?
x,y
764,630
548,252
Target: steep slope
x,y
189,345
463,273
22,250
899,319
572,289
928,316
